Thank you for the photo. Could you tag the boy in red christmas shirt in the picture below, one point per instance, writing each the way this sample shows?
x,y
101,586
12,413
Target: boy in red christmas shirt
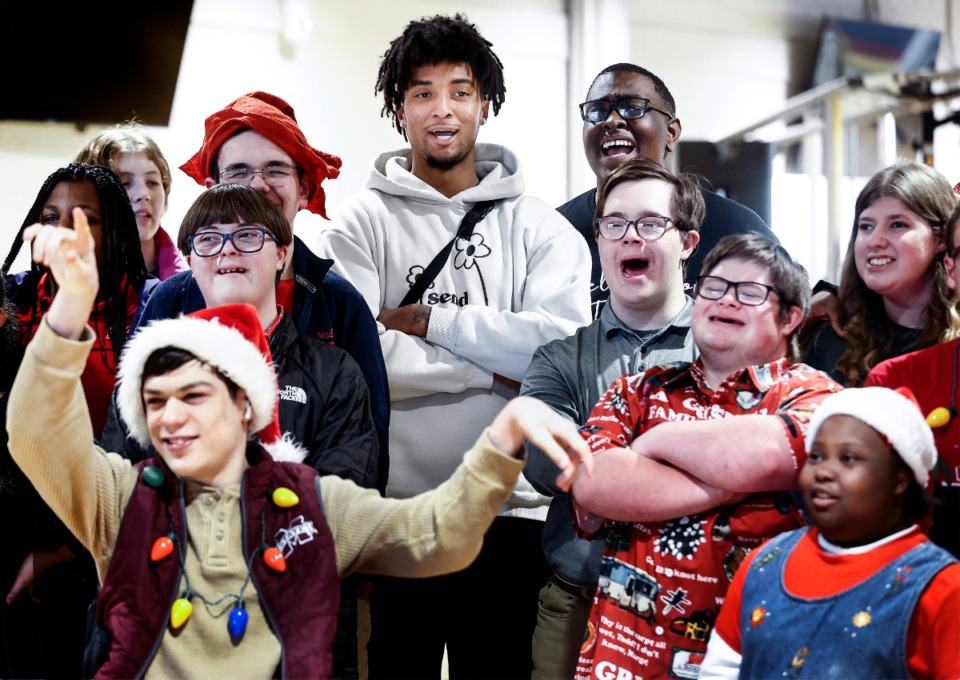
x,y
686,489
863,593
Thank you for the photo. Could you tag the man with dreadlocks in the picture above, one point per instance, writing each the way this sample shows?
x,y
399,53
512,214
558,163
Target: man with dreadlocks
x,y
457,345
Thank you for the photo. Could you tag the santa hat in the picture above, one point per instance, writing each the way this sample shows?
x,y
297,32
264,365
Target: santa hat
x,y
894,414
231,340
273,118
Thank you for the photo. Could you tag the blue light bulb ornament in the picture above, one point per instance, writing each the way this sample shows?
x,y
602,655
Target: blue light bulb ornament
x,y
237,625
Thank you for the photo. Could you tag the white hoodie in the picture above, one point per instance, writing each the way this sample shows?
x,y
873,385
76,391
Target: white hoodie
x,y
522,280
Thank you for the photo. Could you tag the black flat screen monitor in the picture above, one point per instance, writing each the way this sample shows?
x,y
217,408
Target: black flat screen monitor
x,y
100,62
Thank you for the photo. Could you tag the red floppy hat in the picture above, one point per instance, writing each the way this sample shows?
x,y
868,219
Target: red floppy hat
x,y
273,118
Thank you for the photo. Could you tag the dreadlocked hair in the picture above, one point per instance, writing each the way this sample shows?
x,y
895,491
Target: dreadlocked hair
x,y
435,40
120,262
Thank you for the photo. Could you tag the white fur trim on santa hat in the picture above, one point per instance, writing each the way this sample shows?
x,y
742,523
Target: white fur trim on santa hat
x,y
222,347
286,449
892,415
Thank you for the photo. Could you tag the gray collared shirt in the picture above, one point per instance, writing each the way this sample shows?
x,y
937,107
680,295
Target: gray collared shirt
x,y
571,375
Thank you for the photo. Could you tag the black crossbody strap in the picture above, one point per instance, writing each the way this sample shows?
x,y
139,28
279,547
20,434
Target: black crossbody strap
x,y
477,213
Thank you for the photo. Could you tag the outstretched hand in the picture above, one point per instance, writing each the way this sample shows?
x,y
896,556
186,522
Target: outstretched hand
x,y
70,255
529,418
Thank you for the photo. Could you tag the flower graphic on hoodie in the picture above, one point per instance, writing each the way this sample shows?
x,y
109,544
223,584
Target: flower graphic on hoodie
x,y
416,271
468,250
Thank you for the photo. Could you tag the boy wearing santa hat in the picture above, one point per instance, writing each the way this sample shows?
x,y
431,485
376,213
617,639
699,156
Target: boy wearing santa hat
x,y
218,558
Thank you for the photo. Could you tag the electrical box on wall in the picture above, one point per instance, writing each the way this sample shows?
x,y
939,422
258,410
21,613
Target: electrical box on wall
x,y
103,62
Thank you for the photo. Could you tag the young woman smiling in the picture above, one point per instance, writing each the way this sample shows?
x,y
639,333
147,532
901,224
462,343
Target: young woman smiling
x,y
893,286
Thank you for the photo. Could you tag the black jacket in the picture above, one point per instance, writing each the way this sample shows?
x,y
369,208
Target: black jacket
x,y
325,306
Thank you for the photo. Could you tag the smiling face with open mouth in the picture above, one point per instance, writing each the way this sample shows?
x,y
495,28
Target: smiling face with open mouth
x,y
233,277
442,112
612,142
894,250
852,483
732,335
645,277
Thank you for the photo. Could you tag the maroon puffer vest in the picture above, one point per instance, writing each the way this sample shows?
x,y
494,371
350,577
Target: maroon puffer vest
x,y
300,604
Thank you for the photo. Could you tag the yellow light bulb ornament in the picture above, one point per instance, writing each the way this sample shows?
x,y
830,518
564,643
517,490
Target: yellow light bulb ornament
x,y
941,415
938,417
285,498
180,612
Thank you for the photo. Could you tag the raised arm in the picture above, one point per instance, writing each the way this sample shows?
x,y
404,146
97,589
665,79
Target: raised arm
x,y
50,434
70,256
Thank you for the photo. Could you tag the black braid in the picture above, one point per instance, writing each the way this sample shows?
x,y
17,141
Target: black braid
x,y
434,40
121,257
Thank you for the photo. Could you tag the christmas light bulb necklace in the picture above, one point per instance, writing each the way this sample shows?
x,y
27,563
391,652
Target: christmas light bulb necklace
x,y
183,606
162,548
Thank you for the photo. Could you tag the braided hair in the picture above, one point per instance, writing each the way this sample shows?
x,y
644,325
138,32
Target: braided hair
x,y
434,40
120,265
10,345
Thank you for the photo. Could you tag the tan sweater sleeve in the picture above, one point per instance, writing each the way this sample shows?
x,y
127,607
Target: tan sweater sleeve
x,y
437,532
51,439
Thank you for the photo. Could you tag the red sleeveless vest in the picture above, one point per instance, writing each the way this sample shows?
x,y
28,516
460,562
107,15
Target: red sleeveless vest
x,y
300,604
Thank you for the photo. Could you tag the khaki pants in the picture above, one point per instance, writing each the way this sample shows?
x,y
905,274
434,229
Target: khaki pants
x,y
560,632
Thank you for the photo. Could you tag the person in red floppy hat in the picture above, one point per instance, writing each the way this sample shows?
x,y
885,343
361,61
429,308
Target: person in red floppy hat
x,y
217,559
256,140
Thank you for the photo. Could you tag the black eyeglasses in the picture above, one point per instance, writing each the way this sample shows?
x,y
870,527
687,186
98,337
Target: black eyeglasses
x,y
245,240
629,108
272,174
649,227
747,292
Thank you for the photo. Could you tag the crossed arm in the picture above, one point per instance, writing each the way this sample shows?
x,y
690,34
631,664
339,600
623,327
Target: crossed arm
x,y
682,468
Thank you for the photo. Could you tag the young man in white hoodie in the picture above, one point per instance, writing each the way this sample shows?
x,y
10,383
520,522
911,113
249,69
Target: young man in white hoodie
x,y
456,352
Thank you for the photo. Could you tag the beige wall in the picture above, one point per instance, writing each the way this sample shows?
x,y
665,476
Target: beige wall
x,y
728,62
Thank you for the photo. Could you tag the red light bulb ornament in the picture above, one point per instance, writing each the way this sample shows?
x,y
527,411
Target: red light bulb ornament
x,y
274,559
162,549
